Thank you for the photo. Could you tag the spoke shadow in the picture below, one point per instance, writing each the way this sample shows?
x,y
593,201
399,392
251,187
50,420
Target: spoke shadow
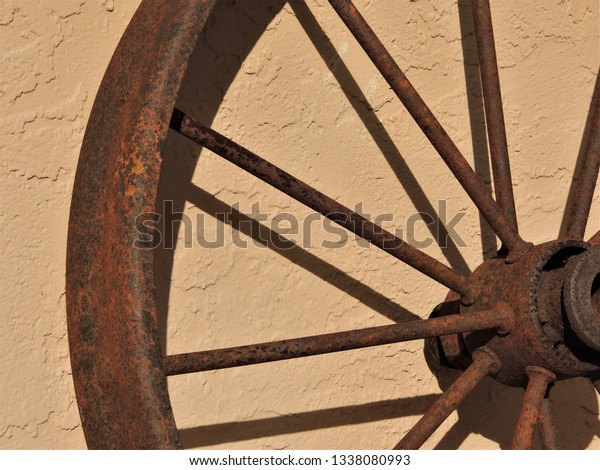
x,y
481,156
298,255
224,433
580,158
381,137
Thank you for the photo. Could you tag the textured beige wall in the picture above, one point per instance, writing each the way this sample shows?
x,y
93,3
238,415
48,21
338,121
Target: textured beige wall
x,y
304,96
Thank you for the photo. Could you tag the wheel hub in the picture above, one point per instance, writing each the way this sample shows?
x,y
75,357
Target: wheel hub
x,y
553,292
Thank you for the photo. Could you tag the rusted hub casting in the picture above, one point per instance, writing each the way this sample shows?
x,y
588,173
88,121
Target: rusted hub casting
x,y
553,292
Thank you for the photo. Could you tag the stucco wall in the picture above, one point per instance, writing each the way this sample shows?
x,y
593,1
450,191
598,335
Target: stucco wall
x,y
304,96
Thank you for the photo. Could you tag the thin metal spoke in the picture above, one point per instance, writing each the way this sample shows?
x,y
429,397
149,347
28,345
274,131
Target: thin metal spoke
x,y
494,114
484,363
547,426
539,379
431,127
325,205
499,317
588,177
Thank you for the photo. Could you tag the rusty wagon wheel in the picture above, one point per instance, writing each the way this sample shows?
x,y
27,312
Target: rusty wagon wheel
x,y
528,317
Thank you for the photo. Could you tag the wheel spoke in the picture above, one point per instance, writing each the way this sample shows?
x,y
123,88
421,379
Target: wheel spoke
x,y
499,317
484,363
430,126
547,426
595,239
588,177
325,205
494,115
539,379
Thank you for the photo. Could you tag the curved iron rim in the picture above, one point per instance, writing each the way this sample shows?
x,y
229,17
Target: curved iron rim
x,y
110,305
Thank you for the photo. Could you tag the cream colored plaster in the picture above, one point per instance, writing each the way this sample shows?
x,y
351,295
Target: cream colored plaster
x,y
354,142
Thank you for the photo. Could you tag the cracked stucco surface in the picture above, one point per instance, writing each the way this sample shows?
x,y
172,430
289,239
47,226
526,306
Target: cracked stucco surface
x,y
354,142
